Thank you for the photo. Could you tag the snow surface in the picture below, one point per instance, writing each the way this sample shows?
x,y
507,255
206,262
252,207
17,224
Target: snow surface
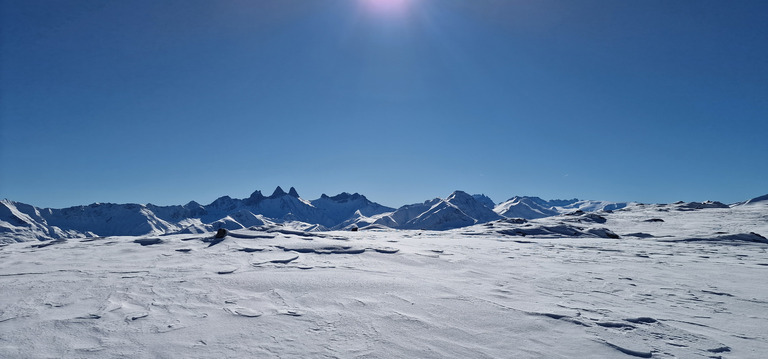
x,y
680,282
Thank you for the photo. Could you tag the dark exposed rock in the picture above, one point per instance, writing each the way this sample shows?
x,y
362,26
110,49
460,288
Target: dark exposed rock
x,y
49,243
700,205
148,241
641,320
639,235
514,220
278,193
654,220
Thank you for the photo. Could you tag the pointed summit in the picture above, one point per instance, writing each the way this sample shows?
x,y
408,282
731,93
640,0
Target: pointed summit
x,y
256,195
278,193
459,195
255,198
292,192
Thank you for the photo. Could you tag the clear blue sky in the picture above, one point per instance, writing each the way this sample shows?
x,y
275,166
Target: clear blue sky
x,y
401,100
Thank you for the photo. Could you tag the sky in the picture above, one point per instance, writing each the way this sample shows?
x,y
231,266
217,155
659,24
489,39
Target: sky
x,y
167,101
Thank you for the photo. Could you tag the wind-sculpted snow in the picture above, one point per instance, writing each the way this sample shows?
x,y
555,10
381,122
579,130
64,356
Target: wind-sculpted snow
x,y
564,290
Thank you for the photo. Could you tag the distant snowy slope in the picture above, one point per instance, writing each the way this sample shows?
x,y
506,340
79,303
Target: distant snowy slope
x,y
472,207
758,200
535,207
525,207
21,222
485,200
591,206
104,219
406,213
109,219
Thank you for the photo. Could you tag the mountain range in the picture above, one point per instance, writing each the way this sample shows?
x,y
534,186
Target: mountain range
x,y
24,222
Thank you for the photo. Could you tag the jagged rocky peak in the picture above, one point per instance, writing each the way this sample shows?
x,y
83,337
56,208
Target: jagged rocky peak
x,y
346,197
459,194
254,199
256,195
192,204
223,201
278,193
562,202
461,197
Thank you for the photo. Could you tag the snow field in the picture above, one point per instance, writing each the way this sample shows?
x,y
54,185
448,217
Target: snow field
x,y
385,293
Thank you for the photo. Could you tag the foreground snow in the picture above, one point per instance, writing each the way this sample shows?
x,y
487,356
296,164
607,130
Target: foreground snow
x,y
679,283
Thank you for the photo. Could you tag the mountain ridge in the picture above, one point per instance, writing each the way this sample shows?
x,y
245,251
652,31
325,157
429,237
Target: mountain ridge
x,y
23,222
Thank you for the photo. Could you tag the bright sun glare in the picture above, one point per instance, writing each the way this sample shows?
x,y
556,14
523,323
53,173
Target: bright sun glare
x,y
388,7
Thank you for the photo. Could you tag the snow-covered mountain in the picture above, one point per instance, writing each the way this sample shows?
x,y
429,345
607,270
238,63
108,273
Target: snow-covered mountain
x,y
525,207
458,210
535,207
347,209
23,222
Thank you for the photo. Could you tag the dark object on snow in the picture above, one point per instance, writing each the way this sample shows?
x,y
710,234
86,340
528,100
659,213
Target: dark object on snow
x,y
217,238
148,241
49,243
654,220
639,235
353,229
700,205
514,220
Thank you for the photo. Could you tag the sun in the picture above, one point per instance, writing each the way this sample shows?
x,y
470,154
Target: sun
x,y
387,7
